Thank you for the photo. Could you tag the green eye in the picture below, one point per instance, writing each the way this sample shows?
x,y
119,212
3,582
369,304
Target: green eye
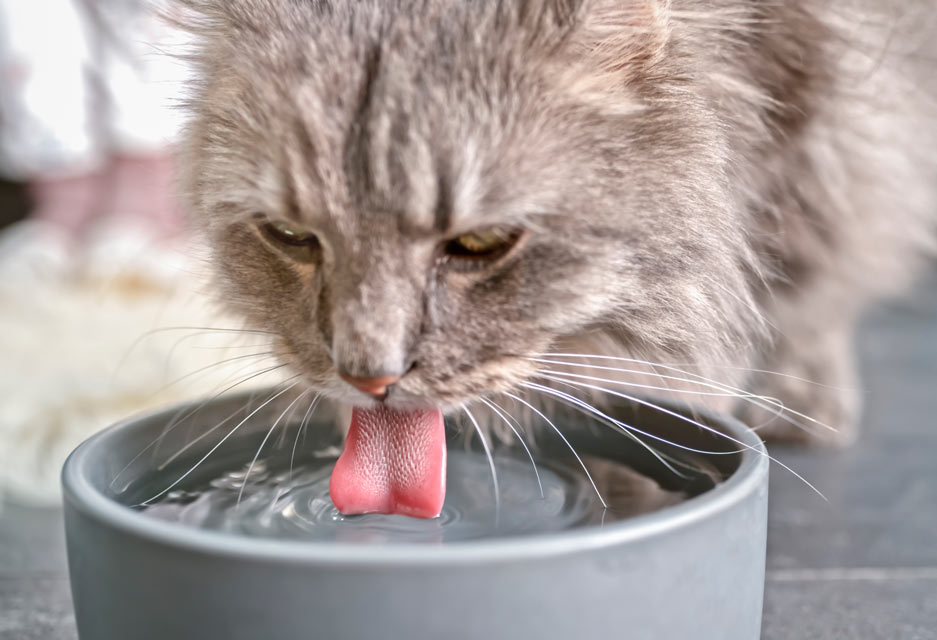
x,y
290,235
486,244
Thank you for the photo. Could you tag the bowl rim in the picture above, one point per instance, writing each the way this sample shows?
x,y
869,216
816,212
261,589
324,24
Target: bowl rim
x,y
80,494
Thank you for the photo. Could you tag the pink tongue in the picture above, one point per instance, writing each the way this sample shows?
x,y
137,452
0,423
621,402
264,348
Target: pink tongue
x,y
394,462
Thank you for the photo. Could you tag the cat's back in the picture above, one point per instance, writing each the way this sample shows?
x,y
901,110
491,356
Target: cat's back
x,y
833,104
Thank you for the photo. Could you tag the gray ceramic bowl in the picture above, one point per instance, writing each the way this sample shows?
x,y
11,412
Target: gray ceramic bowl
x,y
694,570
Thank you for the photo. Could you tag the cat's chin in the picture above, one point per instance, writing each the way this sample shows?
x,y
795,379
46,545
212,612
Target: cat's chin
x,y
397,398
394,401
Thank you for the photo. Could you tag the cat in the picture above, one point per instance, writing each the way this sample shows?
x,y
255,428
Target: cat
x,y
421,198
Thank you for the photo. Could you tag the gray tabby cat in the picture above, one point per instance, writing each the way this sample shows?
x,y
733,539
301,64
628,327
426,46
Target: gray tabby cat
x,y
419,196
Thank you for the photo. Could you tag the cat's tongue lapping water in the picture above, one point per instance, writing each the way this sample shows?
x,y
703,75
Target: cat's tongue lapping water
x,y
394,462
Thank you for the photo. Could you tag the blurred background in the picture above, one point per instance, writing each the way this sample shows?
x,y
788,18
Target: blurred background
x,y
103,311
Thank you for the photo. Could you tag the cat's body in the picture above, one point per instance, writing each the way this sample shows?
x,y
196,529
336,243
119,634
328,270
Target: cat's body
x,y
722,183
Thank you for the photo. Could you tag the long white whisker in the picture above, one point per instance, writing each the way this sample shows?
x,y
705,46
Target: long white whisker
x,y
302,426
165,463
180,341
491,464
188,445
776,406
263,442
153,332
186,414
175,423
697,424
723,389
675,366
501,413
621,426
220,442
568,444
212,366
715,383
226,347
625,428
649,387
285,430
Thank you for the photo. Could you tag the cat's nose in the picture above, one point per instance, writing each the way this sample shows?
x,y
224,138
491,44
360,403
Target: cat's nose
x,y
371,386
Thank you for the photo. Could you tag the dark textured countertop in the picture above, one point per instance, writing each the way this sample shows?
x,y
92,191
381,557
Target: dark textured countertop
x,y
862,566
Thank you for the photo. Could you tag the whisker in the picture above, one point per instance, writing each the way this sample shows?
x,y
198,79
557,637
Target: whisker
x,y
568,444
623,425
211,366
152,332
148,334
263,442
625,428
674,366
697,424
302,425
175,422
724,392
770,404
284,432
225,347
491,464
501,411
580,405
191,443
188,445
178,343
220,442
715,383
650,387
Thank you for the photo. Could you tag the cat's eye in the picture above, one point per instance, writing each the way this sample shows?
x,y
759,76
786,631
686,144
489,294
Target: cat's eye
x,y
487,244
290,235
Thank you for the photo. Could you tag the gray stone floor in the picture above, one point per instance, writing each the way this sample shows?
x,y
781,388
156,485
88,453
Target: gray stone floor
x,y
862,566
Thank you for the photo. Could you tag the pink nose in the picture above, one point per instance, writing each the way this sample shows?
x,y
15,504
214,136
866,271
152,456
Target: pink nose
x,y
371,386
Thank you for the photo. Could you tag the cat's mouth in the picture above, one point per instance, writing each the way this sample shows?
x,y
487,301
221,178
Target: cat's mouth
x,y
394,463
394,460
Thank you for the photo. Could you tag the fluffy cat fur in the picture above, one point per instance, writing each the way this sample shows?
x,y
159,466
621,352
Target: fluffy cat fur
x,y
722,183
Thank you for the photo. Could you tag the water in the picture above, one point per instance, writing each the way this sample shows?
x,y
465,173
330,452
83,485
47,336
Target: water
x,y
276,503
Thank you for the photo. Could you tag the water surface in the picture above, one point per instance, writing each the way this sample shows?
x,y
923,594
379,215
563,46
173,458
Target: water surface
x,y
277,502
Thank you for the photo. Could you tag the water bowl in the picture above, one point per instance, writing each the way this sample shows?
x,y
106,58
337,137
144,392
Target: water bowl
x,y
212,521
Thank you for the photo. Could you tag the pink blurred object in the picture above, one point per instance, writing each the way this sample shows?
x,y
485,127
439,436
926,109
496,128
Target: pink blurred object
x,y
129,191
88,111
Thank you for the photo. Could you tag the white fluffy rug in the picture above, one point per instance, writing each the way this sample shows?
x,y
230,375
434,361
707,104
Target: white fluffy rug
x,y
88,338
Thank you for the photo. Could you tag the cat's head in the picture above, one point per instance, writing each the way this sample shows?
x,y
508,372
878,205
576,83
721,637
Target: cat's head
x,y
439,189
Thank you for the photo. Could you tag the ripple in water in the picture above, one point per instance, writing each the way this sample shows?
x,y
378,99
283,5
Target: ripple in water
x,y
280,505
